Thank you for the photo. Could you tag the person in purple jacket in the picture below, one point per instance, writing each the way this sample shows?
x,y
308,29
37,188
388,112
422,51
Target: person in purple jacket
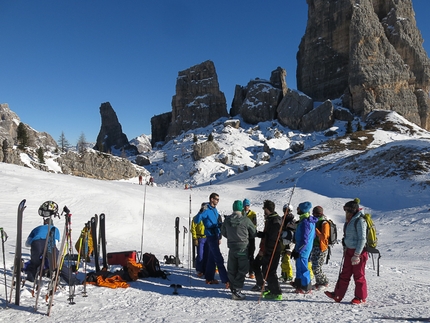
x,y
305,234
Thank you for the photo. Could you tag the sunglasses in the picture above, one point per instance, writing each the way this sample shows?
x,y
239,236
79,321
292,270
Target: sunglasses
x,y
215,198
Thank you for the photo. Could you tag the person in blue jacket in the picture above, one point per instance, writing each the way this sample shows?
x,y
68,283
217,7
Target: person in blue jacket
x,y
212,222
36,241
305,235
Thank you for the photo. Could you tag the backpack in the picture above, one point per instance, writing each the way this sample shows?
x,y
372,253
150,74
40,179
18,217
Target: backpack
x,y
152,265
332,238
371,238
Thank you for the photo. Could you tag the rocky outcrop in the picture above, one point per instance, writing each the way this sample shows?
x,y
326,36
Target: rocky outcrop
x,y
259,99
98,165
205,149
292,108
111,138
198,100
9,122
319,118
159,127
368,51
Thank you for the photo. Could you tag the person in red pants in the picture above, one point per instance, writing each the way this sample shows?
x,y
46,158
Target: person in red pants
x,y
355,256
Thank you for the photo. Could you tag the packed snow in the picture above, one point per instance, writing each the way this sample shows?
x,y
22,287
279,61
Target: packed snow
x,y
400,208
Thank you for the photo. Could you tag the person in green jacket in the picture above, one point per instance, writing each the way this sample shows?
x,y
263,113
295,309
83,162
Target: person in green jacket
x,y
237,228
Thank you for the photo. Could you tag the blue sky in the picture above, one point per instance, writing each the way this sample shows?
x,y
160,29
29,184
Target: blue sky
x,y
61,59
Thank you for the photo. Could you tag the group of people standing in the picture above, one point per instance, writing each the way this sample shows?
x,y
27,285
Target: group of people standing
x,y
304,240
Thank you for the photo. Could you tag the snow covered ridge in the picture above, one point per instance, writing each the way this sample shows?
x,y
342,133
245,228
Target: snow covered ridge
x,y
249,147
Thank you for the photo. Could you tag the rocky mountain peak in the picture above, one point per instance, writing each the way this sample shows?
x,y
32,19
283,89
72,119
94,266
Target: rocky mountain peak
x,y
111,138
370,53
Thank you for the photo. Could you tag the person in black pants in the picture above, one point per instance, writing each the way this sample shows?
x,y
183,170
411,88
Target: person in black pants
x,y
264,263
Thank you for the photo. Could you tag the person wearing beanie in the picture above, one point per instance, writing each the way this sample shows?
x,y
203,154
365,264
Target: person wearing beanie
x,y
212,222
320,247
305,234
287,244
267,260
238,229
355,255
251,246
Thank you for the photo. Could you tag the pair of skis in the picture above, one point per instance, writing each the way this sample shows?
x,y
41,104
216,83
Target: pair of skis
x,y
177,232
101,241
16,276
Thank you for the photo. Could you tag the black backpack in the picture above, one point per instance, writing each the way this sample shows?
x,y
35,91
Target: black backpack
x,y
152,265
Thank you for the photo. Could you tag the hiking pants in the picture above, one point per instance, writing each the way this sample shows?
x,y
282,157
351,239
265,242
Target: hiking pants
x,y
251,251
261,267
317,258
202,255
215,257
303,275
358,273
237,267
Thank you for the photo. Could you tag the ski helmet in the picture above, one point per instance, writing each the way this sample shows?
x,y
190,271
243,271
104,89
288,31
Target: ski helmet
x,y
287,206
49,208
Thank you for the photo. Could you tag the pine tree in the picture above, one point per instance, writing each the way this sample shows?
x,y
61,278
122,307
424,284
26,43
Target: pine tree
x,y
349,127
359,128
211,137
82,142
40,155
63,143
22,136
195,138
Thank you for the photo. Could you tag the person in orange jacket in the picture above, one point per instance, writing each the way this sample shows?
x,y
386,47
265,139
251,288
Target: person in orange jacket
x,y
320,247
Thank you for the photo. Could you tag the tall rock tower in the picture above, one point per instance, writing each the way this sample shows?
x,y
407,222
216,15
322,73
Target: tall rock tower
x,y
370,53
198,100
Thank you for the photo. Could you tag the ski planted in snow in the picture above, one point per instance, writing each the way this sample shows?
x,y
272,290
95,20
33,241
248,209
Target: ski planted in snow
x,y
59,262
94,238
177,241
102,237
16,276
53,271
3,240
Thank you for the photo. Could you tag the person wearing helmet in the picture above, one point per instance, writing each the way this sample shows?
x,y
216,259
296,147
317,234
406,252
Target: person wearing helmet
x,y
36,241
251,246
288,230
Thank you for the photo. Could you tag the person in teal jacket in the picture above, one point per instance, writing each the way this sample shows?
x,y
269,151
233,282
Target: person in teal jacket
x,y
305,235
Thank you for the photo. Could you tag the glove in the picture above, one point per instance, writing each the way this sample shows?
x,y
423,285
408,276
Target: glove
x,y
196,242
295,254
355,260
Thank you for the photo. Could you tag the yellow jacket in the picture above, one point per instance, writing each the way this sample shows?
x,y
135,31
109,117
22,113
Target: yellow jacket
x,y
252,216
197,230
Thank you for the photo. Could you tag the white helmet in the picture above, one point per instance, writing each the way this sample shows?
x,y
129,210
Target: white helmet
x,y
288,206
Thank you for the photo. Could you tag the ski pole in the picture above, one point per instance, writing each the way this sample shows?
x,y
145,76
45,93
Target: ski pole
x,y
190,244
143,225
183,245
86,238
3,240
274,249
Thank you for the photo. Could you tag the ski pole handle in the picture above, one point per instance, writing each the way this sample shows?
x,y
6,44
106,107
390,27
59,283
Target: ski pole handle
x,y
4,235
